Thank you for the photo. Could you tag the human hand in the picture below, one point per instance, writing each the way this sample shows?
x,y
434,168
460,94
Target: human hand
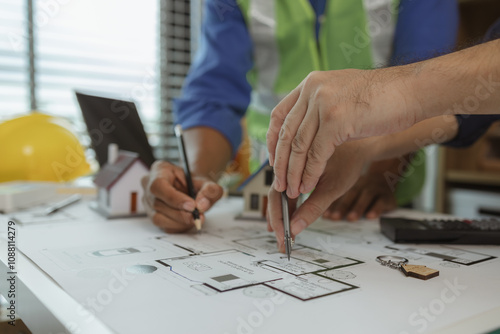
x,y
166,200
325,110
342,171
371,196
274,210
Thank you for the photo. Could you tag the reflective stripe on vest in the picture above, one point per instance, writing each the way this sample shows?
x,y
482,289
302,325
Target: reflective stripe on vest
x,y
381,26
262,27
353,34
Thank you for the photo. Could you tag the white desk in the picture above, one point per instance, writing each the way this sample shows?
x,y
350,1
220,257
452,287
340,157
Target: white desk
x,y
383,301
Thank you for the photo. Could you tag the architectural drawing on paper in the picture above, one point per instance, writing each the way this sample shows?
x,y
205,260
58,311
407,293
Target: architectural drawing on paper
x,y
254,261
449,255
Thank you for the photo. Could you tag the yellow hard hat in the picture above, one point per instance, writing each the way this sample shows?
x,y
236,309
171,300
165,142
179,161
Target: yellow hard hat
x,y
39,147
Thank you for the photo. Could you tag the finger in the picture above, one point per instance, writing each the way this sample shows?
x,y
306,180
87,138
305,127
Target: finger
x,y
341,206
166,170
276,216
319,152
312,208
285,138
361,205
163,188
178,216
332,213
209,193
300,146
278,116
292,205
169,225
382,205
269,227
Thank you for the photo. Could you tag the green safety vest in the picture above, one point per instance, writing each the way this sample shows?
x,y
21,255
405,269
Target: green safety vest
x,y
353,34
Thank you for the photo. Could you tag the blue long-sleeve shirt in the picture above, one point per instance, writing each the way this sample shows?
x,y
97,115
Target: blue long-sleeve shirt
x,y
216,92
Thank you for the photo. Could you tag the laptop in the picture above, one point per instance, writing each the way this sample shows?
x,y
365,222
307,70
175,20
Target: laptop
x,y
110,120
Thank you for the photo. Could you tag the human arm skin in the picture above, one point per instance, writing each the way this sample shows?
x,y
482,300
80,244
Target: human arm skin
x,y
371,195
214,98
166,200
209,152
330,108
345,166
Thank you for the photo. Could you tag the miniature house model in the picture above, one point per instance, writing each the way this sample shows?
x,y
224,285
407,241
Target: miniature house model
x,y
119,190
255,189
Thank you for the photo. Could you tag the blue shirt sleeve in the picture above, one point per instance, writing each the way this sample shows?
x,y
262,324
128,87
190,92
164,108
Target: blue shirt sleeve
x,y
425,29
493,32
216,92
471,128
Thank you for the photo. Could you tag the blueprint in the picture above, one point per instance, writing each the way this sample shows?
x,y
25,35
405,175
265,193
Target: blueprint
x,y
124,269
214,263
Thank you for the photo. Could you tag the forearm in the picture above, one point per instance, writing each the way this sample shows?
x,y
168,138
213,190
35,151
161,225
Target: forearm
x,y
436,130
208,151
464,82
392,165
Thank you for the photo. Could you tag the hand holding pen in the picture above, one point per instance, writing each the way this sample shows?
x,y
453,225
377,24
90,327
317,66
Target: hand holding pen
x,y
167,200
187,172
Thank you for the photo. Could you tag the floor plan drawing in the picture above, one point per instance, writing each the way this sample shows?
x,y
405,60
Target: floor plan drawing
x,y
445,253
232,270
255,261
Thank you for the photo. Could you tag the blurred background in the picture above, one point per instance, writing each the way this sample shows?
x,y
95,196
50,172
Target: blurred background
x,y
141,51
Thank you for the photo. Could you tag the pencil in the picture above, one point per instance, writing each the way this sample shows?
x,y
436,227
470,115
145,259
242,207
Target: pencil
x,y
187,172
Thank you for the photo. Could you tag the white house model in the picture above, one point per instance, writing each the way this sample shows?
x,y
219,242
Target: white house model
x,y
119,190
255,189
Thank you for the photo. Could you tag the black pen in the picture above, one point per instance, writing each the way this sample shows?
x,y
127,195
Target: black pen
x,y
187,172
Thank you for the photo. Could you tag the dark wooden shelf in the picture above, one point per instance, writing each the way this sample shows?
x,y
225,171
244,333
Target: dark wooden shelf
x,y
473,177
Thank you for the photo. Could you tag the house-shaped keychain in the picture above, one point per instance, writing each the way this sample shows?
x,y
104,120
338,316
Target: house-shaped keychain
x,y
119,190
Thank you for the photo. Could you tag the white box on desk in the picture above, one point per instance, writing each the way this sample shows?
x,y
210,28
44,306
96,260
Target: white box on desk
x,y
16,195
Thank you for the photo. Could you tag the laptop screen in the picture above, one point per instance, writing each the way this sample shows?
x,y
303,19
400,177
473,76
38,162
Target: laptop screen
x,y
116,121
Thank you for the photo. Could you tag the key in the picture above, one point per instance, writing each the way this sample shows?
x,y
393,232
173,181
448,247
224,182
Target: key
x,y
410,270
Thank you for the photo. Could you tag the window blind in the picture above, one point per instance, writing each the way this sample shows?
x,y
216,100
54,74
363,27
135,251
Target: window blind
x,y
14,68
103,47
139,50
175,59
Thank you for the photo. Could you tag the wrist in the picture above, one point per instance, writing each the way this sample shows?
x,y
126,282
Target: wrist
x,y
419,90
370,149
394,165
393,97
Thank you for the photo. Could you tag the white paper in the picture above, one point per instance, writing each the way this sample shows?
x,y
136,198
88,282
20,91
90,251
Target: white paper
x,y
230,278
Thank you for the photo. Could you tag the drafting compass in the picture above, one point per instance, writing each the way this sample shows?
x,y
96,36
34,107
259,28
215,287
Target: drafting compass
x,y
286,224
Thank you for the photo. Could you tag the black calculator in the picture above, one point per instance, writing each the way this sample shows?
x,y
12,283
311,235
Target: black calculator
x,y
443,231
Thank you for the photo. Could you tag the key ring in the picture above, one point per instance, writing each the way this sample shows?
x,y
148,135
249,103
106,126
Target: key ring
x,y
391,261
